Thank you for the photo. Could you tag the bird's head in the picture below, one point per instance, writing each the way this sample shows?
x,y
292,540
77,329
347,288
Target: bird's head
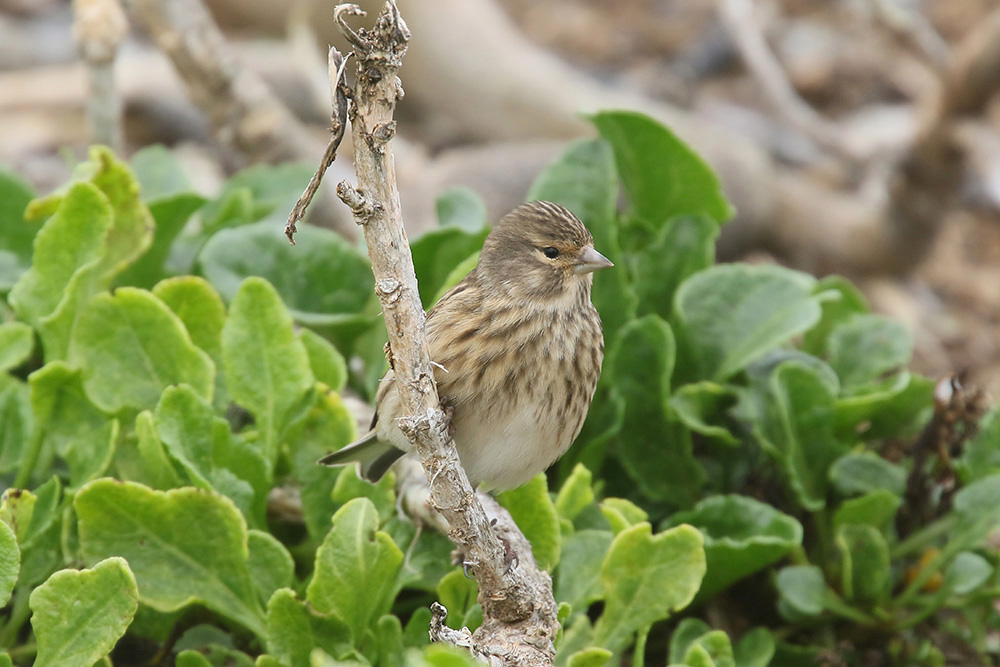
x,y
541,251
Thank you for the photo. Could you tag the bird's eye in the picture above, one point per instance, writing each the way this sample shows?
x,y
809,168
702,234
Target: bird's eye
x,y
550,252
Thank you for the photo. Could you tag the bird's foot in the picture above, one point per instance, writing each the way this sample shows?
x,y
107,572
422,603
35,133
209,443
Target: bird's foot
x,y
448,408
510,559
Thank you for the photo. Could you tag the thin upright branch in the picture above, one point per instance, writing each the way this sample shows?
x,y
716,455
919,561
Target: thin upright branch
x,y
98,28
338,100
519,612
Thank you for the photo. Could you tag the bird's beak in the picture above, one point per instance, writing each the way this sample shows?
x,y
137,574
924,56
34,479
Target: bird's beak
x,y
589,260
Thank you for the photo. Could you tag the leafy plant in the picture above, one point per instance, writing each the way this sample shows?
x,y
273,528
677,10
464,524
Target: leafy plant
x,y
170,371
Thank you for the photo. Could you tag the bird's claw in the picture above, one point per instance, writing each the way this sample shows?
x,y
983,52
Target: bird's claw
x,y
448,408
510,558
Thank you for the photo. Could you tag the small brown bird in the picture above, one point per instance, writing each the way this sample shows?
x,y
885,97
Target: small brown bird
x,y
517,347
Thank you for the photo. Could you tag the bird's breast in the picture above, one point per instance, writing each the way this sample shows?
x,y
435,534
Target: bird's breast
x,y
521,387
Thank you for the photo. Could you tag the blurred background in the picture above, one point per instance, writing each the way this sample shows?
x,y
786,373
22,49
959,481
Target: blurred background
x,y
858,137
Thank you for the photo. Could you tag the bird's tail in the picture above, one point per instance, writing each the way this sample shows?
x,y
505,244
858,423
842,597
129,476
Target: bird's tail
x,y
371,454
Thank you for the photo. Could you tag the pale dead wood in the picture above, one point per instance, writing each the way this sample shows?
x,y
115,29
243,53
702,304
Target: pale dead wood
x,y
243,111
338,123
518,606
746,33
241,108
99,26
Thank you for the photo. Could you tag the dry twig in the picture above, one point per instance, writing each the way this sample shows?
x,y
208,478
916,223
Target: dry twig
x,y
747,35
338,99
98,28
518,607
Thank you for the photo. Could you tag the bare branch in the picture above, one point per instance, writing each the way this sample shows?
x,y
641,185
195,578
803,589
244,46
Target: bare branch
x,y
518,608
337,64
240,106
738,18
98,28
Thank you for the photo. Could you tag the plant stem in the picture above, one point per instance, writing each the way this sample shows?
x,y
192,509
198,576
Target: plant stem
x,y
923,537
639,654
18,615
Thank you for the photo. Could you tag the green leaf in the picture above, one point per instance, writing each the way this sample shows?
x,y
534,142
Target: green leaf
x,y
171,214
856,474
802,589
742,536
190,658
712,649
982,451
532,509
682,247
698,404
349,486
327,427
266,365
876,509
654,448
577,579
460,207
78,616
865,575
201,310
159,470
324,281
664,178
132,229
175,564
198,306
16,426
583,179
437,252
795,428
755,649
294,629
731,314
271,192
98,228
131,347
10,562
576,493
684,636
622,513
356,569
159,172
895,408
271,566
16,234
849,302
966,573
34,518
594,656
327,363
69,424
17,340
645,578
201,443
865,347
69,241
456,276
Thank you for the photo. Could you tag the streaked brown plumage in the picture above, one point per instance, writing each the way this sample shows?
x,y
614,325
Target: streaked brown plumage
x,y
519,346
